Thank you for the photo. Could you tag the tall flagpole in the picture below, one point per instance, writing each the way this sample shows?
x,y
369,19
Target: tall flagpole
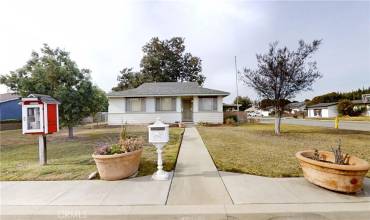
x,y
236,83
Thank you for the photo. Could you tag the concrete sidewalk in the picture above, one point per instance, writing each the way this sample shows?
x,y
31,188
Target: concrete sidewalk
x,y
196,180
135,191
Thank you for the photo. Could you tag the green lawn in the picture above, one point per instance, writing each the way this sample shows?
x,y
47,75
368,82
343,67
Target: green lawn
x,y
71,159
254,149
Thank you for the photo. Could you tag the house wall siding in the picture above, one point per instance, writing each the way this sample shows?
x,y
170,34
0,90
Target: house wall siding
x,y
332,111
142,118
117,114
210,117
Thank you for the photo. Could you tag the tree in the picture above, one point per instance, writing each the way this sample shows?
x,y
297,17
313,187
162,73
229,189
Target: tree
x,y
266,103
244,102
128,79
282,73
52,72
163,61
345,107
99,101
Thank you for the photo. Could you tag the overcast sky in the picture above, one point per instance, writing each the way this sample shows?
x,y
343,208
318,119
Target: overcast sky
x,y
106,36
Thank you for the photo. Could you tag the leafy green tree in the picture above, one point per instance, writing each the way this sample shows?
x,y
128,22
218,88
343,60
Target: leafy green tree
x,y
336,96
52,72
163,61
345,107
244,102
282,73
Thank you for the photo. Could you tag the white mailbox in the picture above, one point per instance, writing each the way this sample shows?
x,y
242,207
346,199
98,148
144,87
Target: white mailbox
x,y
158,132
159,136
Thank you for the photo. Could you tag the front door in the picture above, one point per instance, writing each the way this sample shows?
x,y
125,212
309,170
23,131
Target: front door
x,y
187,110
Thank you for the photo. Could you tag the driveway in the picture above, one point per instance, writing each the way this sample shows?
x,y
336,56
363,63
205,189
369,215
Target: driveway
x,y
349,125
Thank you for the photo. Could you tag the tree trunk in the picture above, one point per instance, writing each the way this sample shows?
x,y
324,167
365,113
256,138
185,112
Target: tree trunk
x,y
70,131
277,122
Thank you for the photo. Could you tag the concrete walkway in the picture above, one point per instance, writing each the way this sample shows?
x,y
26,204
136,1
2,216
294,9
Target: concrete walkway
x,y
196,180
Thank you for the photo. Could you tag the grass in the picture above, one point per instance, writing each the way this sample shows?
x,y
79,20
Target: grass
x,y
254,149
70,159
346,118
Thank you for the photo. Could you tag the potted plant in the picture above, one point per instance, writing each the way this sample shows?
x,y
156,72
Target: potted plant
x,y
121,160
333,170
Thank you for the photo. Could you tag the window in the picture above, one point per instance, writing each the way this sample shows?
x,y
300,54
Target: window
x,y
165,104
33,118
317,112
208,103
135,105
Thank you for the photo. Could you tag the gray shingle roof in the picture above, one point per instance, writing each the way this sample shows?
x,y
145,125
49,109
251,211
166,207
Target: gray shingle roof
x,y
8,97
167,89
44,98
321,105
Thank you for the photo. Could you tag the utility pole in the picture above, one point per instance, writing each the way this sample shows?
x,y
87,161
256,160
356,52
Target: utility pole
x,y
236,83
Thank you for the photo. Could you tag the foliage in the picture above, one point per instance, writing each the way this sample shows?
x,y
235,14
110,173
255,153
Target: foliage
x,y
282,74
336,96
266,103
52,72
245,102
345,107
163,61
124,145
339,157
231,119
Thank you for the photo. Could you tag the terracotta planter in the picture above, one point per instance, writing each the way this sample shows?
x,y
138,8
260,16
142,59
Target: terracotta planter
x,y
117,166
342,178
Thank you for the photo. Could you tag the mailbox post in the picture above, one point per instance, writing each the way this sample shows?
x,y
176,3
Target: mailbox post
x,y
40,117
159,136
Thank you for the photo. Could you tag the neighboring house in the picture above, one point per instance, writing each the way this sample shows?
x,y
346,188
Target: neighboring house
x,y
170,101
363,103
323,110
296,107
230,107
9,107
254,111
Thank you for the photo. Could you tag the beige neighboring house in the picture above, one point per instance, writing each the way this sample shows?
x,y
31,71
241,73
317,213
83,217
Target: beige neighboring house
x,y
170,101
364,102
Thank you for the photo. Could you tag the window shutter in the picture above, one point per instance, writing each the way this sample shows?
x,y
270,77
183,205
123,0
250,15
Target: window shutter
x,y
143,109
215,104
157,104
128,105
173,104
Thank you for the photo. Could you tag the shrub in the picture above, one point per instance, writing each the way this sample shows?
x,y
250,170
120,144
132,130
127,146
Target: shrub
x,y
230,121
233,117
345,107
124,145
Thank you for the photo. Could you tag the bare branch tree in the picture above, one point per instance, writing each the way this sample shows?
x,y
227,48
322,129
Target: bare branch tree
x,y
282,74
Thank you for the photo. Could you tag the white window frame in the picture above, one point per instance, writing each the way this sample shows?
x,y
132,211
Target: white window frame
x,y
142,104
158,101
214,104
25,118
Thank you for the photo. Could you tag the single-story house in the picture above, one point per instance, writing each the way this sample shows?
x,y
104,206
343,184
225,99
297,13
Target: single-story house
x,y
9,107
322,110
170,101
296,107
363,103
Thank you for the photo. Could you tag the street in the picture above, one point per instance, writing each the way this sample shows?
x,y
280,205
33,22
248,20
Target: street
x,y
350,125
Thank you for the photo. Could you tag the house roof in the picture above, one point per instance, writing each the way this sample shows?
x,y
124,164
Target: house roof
x,y
296,105
322,105
8,97
168,89
44,98
360,101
